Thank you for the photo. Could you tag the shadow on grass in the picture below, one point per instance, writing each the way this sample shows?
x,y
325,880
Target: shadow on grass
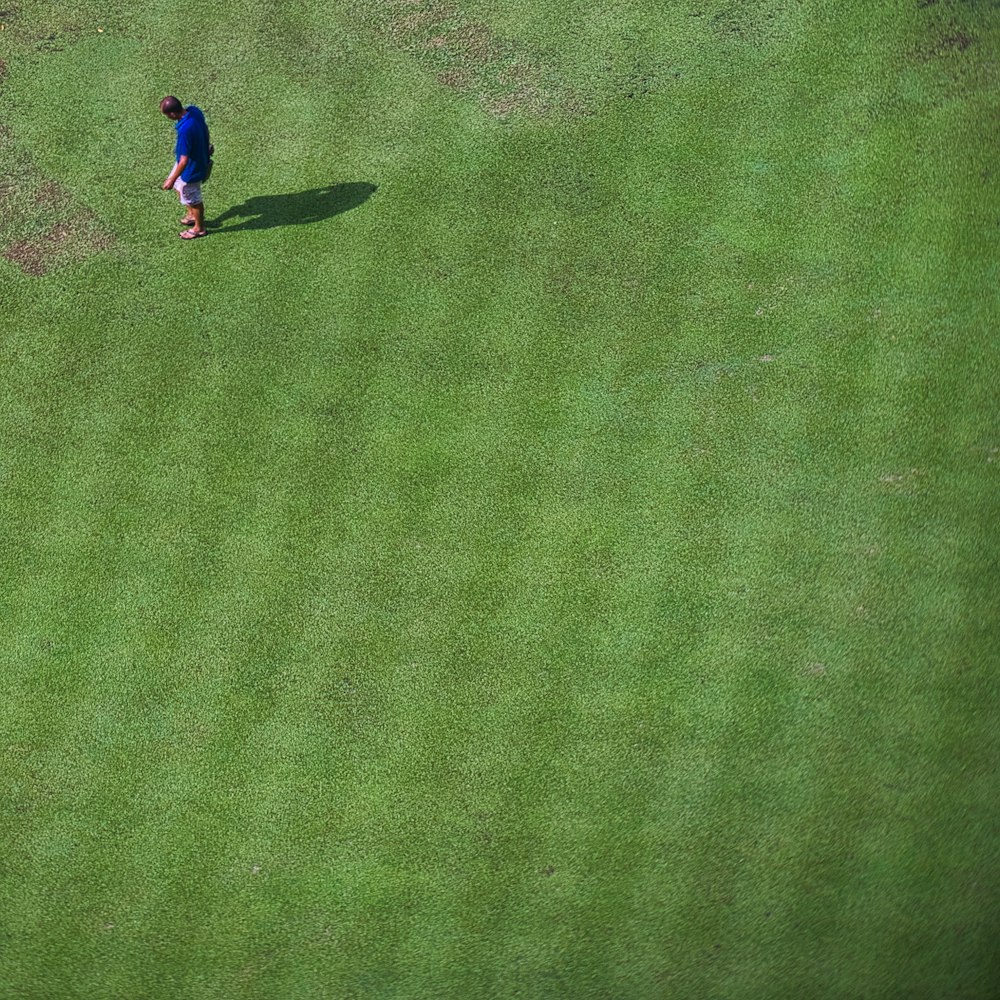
x,y
269,211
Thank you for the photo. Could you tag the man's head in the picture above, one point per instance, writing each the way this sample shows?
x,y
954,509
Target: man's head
x,y
172,108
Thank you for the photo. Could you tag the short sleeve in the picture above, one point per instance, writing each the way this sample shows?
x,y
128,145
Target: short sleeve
x,y
183,146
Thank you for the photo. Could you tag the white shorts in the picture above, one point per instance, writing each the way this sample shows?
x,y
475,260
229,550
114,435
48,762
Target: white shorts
x,y
190,193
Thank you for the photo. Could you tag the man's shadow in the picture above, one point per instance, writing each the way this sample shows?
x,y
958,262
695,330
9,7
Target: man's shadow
x,y
269,211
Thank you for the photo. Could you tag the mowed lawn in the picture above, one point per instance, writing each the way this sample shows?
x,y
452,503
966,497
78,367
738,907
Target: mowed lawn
x,y
543,543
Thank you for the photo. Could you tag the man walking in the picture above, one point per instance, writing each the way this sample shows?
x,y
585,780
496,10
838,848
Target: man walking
x,y
194,163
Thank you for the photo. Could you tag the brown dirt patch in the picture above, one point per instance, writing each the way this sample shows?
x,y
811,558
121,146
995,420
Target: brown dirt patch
x,y
42,226
467,56
951,30
501,107
32,256
409,24
65,242
959,40
748,23
52,195
947,39
474,43
457,79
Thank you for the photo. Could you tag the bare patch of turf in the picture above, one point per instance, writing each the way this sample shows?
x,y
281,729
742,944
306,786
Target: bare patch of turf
x,y
51,195
467,56
457,79
751,23
947,40
956,48
42,227
70,241
33,256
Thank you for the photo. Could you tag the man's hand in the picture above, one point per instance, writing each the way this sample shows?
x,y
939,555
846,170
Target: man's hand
x,y
175,173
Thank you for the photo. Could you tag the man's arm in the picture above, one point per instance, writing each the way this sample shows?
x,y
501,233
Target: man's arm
x,y
175,173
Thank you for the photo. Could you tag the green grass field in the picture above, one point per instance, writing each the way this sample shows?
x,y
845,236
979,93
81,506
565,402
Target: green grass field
x,y
543,543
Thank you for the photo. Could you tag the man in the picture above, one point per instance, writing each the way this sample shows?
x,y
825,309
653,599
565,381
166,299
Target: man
x,y
194,163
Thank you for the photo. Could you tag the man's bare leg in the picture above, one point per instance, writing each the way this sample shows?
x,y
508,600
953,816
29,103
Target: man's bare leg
x,y
188,216
197,214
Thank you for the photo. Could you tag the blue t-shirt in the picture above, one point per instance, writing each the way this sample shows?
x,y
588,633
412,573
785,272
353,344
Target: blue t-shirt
x,y
192,141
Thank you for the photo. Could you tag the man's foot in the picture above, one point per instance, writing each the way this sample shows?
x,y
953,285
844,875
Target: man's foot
x,y
193,234
188,221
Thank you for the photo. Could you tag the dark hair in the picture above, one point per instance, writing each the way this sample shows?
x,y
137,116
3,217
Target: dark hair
x,y
170,105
